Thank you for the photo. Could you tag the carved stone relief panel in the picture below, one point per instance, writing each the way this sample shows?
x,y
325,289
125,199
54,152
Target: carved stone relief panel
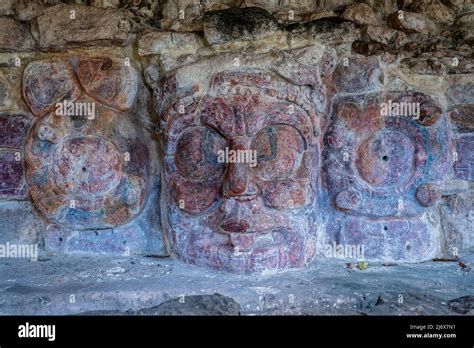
x,y
241,169
87,160
386,158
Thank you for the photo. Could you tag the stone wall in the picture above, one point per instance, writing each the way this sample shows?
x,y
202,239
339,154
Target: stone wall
x,y
360,113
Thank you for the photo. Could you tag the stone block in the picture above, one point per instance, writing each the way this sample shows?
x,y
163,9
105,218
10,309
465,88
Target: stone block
x,y
246,24
62,25
411,22
464,166
20,223
169,43
360,13
462,119
14,128
15,36
356,74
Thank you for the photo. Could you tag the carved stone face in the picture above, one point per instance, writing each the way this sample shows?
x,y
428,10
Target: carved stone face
x,y
234,213
385,158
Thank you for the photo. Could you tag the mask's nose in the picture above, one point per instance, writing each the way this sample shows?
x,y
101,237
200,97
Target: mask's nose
x,y
238,182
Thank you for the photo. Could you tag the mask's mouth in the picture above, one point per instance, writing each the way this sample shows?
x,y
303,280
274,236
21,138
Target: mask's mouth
x,y
235,226
247,241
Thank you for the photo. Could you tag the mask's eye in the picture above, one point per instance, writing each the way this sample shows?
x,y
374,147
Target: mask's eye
x,y
279,151
197,153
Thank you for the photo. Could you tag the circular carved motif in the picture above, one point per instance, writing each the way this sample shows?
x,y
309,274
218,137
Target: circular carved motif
x,y
87,175
46,83
385,159
87,165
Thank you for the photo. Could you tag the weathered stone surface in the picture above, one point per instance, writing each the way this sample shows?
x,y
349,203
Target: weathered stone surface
x,y
424,66
330,30
96,187
462,118
315,15
370,48
438,64
238,24
328,62
234,216
108,81
121,241
355,74
272,6
333,4
12,181
459,5
461,94
167,43
434,9
385,35
457,215
13,130
185,15
7,7
385,7
86,171
27,10
462,305
20,223
105,3
262,66
58,76
465,21
216,304
15,36
464,166
91,25
463,37
372,148
360,13
290,11
411,22
409,240
6,99
138,285
428,194
463,34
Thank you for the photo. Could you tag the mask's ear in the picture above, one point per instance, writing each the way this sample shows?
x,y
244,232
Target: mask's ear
x,y
113,82
47,83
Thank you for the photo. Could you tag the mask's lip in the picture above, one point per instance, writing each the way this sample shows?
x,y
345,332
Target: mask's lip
x,y
235,226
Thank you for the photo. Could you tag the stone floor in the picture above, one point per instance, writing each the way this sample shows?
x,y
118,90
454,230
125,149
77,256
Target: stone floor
x,y
59,285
